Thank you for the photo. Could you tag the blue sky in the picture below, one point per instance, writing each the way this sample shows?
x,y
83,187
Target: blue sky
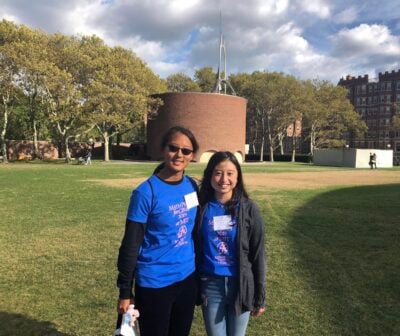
x,y
308,39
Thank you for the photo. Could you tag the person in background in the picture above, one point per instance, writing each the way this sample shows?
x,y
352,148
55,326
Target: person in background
x,y
372,160
232,259
157,250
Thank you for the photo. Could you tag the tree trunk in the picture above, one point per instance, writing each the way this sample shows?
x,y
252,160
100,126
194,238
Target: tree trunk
x,y
312,140
271,149
67,151
294,142
262,140
271,144
35,140
106,138
281,145
262,149
3,135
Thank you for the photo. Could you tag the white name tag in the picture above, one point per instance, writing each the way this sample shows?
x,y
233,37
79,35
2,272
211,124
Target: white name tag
x,y
191,200
222,223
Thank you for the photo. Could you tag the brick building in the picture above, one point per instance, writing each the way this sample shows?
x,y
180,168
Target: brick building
x,y
218,121
377,102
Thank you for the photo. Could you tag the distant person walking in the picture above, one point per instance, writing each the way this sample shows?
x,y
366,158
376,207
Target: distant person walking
x,y
157,250
372,160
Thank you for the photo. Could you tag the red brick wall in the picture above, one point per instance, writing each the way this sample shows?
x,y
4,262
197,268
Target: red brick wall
x,y
218,121
23,150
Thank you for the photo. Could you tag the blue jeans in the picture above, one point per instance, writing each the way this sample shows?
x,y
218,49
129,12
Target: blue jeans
x,y
218,294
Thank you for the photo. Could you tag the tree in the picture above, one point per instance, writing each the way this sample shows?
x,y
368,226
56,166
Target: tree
x,y
7,100
9,93
205,79
266,94
28,53
180,82
293,107
396,122
64,88
329,115
120,95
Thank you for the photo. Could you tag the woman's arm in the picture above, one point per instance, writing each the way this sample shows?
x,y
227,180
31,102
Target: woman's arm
x,y
127,258
257,258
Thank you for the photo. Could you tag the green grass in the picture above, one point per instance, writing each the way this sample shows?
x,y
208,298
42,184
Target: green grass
x,y
333,254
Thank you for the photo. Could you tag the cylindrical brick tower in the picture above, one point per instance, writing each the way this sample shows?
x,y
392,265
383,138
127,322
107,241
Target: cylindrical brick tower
x,y
218,122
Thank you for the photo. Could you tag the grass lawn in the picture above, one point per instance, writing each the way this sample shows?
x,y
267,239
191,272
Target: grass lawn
x,y
333,252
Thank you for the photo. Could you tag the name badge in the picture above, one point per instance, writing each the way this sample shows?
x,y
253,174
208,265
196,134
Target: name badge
x,y
222,223
191,200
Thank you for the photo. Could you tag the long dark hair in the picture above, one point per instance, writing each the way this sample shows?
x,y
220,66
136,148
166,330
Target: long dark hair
x,y
166,138
207,191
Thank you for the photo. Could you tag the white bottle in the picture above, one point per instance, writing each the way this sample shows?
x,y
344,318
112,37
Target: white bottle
x,y
127,323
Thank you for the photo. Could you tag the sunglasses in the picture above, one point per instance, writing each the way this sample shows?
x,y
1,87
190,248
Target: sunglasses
x,y
175,149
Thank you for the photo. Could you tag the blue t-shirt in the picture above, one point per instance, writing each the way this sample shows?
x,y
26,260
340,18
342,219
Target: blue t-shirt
x,y
219,232
169,210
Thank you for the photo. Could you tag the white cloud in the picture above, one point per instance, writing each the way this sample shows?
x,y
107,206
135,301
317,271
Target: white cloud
x,y
282,35
9,17
273,7
179,6
317,7
366,40
348,15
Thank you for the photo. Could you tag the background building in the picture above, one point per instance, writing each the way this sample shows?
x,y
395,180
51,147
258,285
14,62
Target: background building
x,y
218,121
377,102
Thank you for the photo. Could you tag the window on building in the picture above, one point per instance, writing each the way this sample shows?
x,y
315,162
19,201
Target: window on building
x,y
363,88
398,85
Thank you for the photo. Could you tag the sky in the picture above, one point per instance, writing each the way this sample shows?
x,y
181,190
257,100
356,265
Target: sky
x,y
308,39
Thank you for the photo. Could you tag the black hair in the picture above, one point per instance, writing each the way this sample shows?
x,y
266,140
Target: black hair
x,y
207,191
179,129
167,138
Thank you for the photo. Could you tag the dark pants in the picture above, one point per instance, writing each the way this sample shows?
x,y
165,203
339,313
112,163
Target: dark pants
x,y
166,311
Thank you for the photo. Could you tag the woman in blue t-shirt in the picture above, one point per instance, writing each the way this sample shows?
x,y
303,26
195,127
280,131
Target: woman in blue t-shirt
x,y
157,250
232,259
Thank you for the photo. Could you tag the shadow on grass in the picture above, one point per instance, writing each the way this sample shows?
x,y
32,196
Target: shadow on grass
x,y
347,246
19,325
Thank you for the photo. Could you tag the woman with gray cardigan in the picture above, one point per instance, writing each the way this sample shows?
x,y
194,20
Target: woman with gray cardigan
x,y
231,250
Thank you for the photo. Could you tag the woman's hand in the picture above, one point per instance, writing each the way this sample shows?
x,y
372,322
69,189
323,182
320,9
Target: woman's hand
x,y
123,305
257,312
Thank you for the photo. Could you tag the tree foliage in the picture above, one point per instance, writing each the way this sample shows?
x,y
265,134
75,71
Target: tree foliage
x,y
329,115
205,79
181,82
60,88
74,84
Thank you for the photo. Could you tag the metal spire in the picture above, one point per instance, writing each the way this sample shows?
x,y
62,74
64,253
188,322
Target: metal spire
x,y
222,82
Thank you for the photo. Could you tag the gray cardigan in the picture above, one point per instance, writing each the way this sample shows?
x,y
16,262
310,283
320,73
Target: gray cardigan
x,y
251,256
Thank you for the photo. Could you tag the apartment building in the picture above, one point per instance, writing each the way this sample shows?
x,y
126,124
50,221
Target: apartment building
x,y
377,102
